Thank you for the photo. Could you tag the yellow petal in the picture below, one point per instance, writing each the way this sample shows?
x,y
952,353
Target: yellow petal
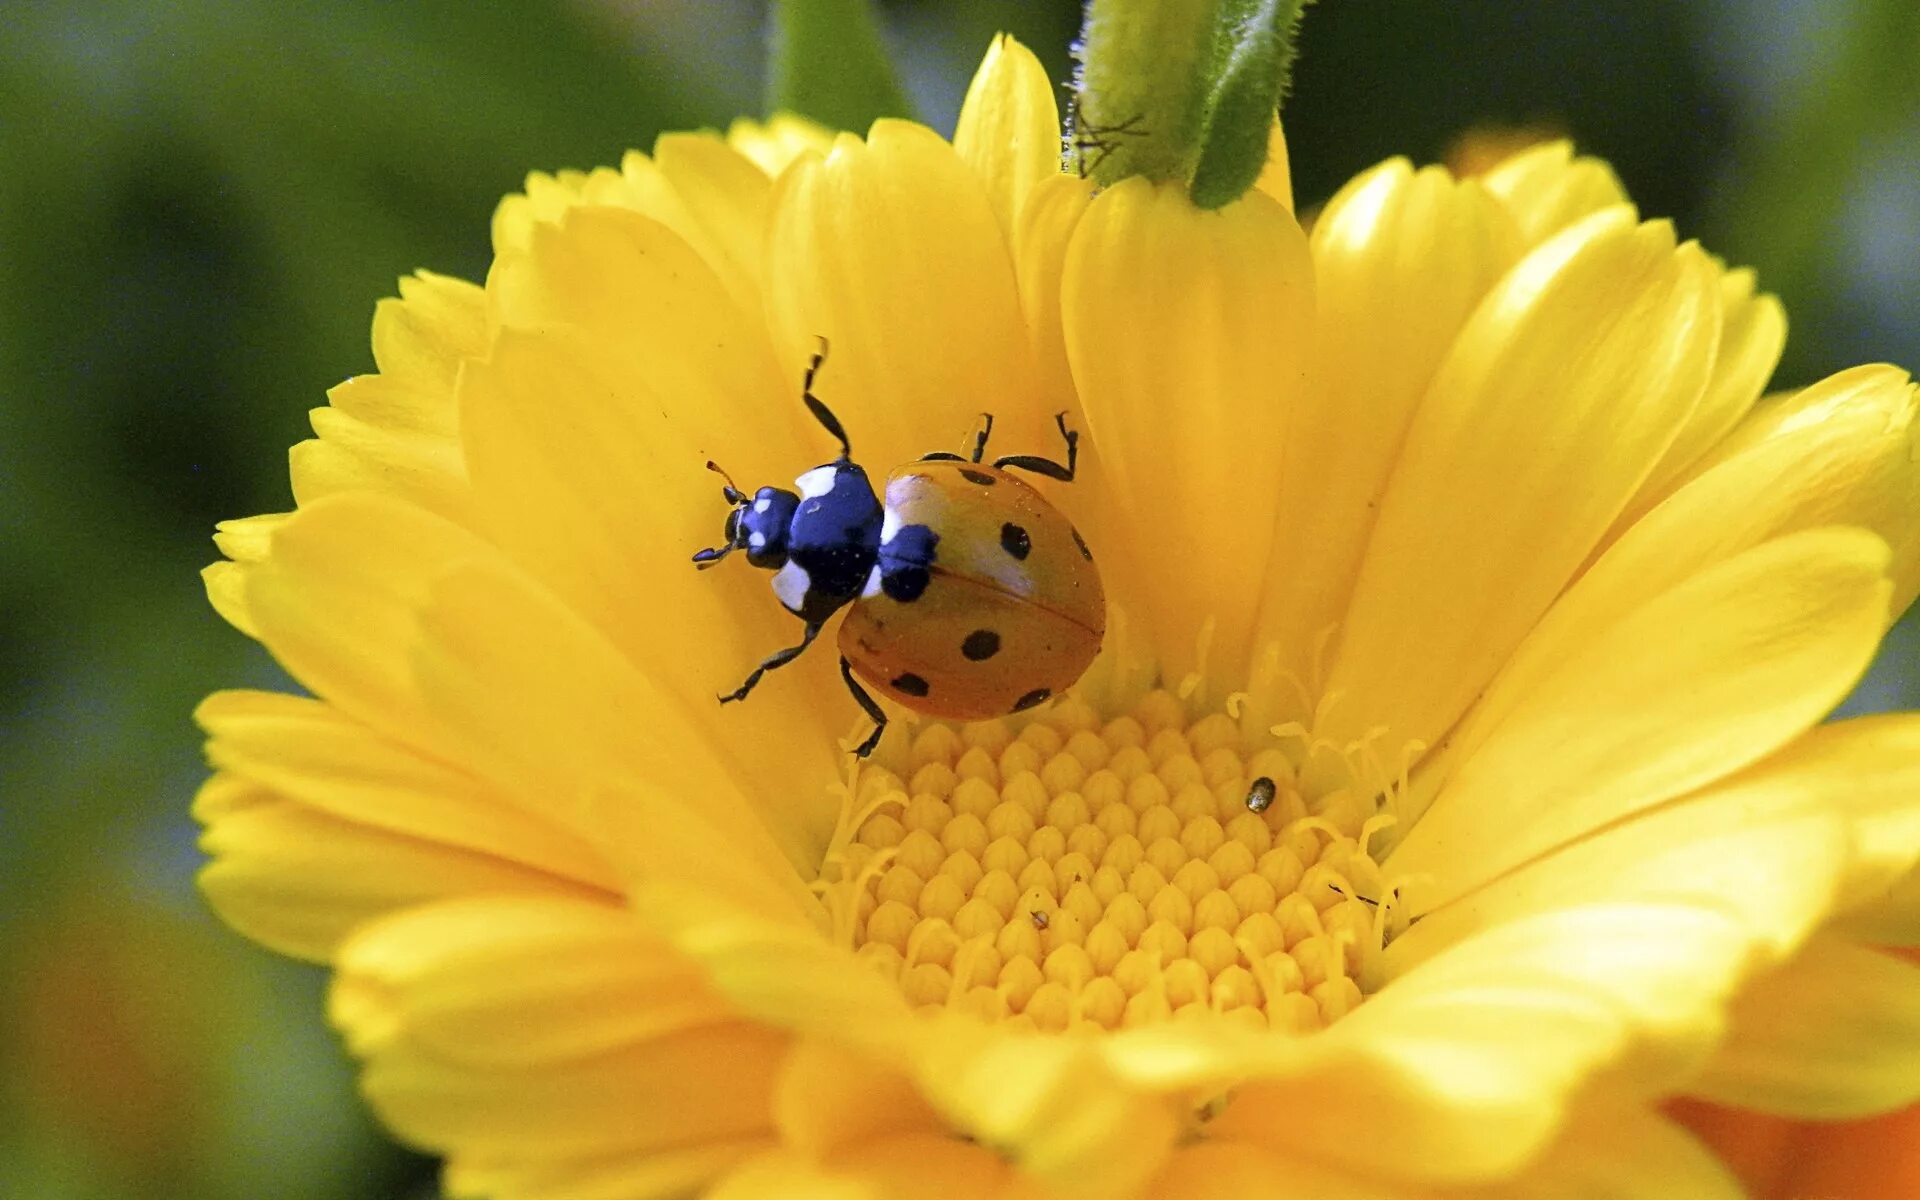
x,y
1009,130
709,193
1053,1106
227,591
1846,458
1607,1154
1187,332
1621,1154
1846,461
1048,1104
1610,719
1041,236
1848,452
725,191
777,142
792,979
1889,918
1547,189
580,1108
305,751
1276,178
1562,391
336,601
783,1173
1834,1033
422,338
890,249
249,538
714,197
1473,1059
245,540
1400,260
398,404
537,701
643,1175
1774,846
513,982
1232,1170
396,431
696,363
607,500
544,199
1778,846
928,1167
904,1167
1869,768
1754,332
299,881
351,456
829,1098
626,306
425,634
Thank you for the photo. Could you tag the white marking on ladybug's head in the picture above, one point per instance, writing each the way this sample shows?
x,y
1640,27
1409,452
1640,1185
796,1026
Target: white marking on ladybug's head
x,y
873,583
763,504
889,524
756,541
790,583
818,482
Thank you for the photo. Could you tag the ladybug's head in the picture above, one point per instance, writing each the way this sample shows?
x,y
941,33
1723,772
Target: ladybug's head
x,y
757,524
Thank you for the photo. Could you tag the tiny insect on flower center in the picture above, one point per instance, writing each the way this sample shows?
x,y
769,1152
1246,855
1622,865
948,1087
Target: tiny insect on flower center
x,y
1084,872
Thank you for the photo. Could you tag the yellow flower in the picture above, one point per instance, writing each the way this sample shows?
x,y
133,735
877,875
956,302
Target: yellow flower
x,y
1462,521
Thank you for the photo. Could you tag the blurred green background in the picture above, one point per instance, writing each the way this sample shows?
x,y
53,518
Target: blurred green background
x,y
199,204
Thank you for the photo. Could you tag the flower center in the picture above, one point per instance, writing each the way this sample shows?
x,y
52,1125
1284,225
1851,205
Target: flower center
x,y
1074,872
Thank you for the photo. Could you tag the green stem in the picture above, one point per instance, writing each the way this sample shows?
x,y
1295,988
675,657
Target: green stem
x,y
1138,98
1182,91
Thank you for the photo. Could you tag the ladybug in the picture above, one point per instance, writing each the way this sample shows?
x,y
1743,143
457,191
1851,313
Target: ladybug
x,y
968,595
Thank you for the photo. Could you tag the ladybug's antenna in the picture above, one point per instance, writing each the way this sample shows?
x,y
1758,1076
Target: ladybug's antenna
x,y
818,408
733,494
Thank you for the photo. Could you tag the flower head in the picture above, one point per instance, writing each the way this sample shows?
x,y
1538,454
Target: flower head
x,y
1461,522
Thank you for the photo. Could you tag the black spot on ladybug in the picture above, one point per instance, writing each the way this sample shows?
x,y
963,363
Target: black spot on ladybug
x,y
910,684
1036,696
981,645
979,477
905,585
1082,543
1014,540
905,562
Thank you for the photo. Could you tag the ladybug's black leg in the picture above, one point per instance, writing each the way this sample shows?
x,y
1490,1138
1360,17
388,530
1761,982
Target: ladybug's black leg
x,y
706,558
778,659
979,446
1046,466
817,407
980,439
866,702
